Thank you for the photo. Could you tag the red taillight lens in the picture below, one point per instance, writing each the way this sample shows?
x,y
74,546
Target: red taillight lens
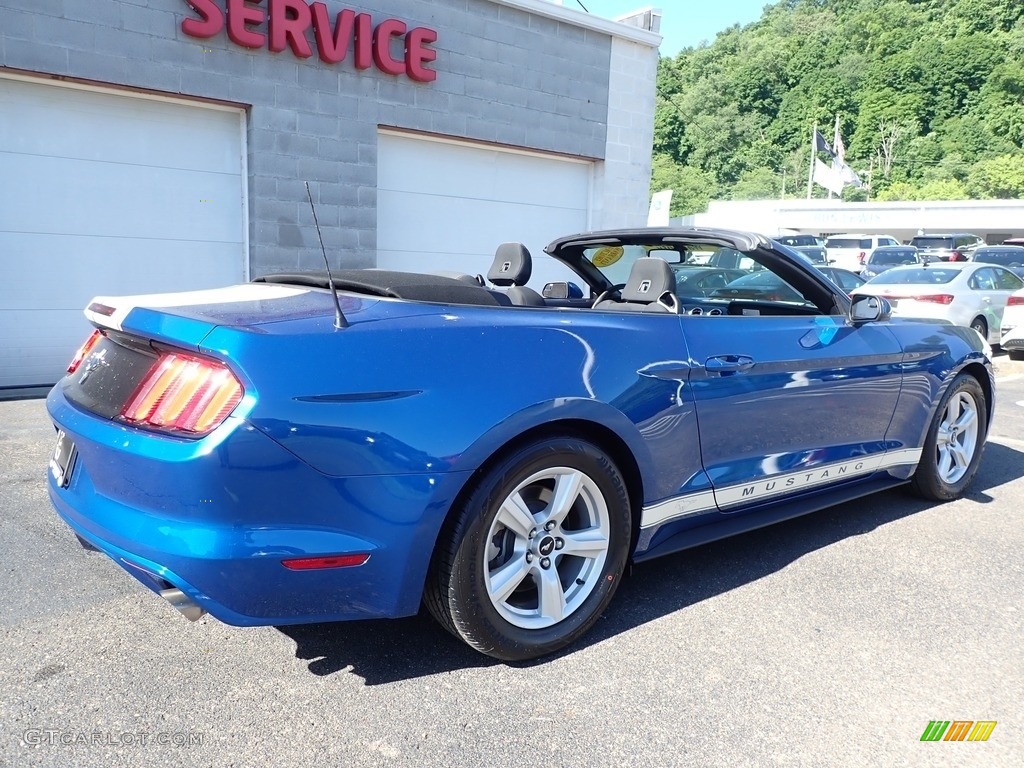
x,y
938,298
184,394
861,257
84,350
1015,301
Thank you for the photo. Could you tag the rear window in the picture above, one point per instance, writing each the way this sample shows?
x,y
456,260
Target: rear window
x,y
930,275
893,258
1004,258
847,242
932,242
798,240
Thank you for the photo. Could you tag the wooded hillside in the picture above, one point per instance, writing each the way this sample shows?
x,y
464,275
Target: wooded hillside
x,y
929,94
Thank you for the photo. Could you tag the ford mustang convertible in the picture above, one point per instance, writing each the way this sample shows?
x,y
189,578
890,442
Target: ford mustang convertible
x,y
311,448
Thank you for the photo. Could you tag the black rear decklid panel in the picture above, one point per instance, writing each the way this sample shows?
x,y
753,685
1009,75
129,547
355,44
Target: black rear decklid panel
x,y
110,374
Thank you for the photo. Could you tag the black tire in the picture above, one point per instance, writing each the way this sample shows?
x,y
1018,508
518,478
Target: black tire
x,y
951,457
979,325
513,589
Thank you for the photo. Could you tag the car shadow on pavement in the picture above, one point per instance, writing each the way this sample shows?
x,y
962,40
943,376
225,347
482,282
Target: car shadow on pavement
x,y
386,651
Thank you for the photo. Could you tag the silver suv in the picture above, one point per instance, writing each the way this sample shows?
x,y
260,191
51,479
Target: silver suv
x,y
849,251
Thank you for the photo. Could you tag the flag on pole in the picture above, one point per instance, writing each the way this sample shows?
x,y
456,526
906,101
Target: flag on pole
x,y
820,145
844,172
839,152
827,177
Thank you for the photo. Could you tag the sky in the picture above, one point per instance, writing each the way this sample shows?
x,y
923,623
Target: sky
x,y
684,23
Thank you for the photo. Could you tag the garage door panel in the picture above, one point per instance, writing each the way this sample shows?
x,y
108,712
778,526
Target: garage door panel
x,y
494,222
156,139
38,344
126,266
447,206
107,193
459,171
60,196
545,269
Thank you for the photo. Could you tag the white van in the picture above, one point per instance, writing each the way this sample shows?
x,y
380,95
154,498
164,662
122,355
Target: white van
x,y
849,251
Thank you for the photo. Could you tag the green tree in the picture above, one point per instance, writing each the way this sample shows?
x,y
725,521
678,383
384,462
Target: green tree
x,y
692,188
999,177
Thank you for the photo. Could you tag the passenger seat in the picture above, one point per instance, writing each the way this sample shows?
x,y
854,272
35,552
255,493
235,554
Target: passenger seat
x,y
511,269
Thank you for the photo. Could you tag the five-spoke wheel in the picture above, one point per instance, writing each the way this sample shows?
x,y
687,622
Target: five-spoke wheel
x,y
952,448
536,552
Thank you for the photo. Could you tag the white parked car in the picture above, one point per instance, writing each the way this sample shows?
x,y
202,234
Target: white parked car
x,y
849,251
965,293
1012,332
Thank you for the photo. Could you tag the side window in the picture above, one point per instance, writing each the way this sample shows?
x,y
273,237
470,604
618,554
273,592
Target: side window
x,y
865,243
1007,281
983,280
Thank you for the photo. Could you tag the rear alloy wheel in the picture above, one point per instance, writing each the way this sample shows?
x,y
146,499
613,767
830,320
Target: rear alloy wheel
x,y
536,553
981,327
952,450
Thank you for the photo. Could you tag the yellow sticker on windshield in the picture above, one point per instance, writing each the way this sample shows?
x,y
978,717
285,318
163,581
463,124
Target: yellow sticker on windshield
x,y
607,256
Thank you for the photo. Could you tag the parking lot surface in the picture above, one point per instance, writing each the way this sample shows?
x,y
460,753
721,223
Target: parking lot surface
x,y
833,639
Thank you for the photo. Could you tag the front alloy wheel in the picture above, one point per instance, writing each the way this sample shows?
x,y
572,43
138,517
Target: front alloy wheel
x,y
953,446
535,551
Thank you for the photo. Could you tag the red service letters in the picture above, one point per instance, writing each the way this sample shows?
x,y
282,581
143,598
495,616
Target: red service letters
x,y
288,22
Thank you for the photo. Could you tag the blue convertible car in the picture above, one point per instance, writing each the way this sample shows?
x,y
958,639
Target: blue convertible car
x,y
308,449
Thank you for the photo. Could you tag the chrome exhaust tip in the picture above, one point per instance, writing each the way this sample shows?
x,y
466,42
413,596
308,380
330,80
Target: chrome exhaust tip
x,y
183,604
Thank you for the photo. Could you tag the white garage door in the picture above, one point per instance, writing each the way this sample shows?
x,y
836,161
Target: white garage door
x,y
444,205
105,193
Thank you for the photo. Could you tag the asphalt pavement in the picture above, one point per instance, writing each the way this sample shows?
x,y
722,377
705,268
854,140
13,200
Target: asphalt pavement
x,y
830,640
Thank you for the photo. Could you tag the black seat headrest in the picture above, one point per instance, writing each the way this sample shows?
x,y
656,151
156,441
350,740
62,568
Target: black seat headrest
x,y
512,265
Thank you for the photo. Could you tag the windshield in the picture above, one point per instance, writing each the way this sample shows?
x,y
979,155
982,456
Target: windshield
x,y
926,275
616,261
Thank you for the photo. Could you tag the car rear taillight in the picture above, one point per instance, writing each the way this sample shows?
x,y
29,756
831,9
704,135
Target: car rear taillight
x,y
84,350
861,256
183,393
937,298
1015,301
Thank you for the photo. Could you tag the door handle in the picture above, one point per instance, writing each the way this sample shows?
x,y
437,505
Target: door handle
x,y
726,364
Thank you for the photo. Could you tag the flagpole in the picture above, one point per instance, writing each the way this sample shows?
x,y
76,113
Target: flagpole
x,y
810,171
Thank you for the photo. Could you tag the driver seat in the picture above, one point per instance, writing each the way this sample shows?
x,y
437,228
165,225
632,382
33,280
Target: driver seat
x,y
649,281
511,269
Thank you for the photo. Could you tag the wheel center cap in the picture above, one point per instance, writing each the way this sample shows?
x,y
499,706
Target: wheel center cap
x,y
546,546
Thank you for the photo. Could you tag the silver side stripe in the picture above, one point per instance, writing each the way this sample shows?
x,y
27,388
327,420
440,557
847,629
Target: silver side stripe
x,y
776,485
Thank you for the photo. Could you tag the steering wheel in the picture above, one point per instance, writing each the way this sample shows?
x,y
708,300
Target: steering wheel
x,y
608,292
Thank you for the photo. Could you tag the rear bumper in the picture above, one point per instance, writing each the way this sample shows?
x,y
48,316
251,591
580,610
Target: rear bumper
x,y
214,518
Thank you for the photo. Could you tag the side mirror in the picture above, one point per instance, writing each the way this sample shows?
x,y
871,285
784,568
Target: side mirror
x,y
562,290
869,309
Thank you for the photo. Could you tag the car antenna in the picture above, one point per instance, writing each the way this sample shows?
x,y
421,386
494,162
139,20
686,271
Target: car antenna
x,y
339,317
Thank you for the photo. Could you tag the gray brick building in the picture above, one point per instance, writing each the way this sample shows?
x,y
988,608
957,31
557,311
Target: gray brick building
x,y
153,145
